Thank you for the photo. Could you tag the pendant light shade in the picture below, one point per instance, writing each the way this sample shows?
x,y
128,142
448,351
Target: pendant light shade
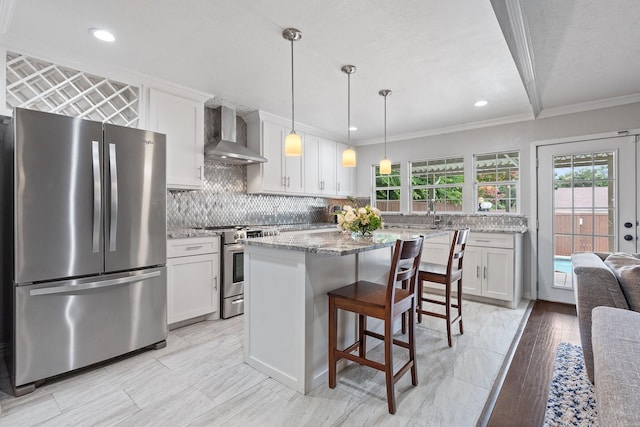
x,y
385,164
349,158
293,142
293,145
349,155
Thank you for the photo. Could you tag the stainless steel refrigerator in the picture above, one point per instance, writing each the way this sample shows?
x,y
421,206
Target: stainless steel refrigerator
x,y
88,225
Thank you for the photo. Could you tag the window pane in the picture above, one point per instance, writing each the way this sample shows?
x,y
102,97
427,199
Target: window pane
x,y
497,176
387,189
435,184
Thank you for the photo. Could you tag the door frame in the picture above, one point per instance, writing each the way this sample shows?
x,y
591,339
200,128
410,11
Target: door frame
x,y
533,158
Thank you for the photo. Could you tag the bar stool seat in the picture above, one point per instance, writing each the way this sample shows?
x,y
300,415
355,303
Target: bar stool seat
x,y
445,275
385,302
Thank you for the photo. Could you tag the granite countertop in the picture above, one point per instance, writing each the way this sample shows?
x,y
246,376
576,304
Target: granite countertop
x,y
337,243
477,228
182,233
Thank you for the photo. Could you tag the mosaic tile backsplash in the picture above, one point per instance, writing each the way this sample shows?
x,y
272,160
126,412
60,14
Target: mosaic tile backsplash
x,y
223,201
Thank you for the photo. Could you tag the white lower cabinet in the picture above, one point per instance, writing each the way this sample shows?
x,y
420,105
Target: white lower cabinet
x,y
193,278
492,265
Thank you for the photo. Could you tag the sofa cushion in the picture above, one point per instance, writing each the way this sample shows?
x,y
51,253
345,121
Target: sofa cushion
x,y
616,345
595,285
626,267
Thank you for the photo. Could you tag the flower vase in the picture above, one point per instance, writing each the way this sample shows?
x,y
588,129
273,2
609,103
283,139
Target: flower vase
x,y
360,234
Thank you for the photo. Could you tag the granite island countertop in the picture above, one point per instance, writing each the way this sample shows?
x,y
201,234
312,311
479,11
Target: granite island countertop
x,y
337,243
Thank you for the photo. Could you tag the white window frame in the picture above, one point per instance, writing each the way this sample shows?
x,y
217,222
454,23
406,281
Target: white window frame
x,y
374,188
516,183
434,187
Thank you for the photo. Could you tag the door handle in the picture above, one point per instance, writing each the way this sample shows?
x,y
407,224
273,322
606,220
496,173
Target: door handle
x,y
92,285
113,173
97,195
628,224
628,237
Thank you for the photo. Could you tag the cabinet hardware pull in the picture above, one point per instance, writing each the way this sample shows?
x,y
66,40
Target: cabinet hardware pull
x,y
482,240
215,283
288,181
338,186
284,181
193,248
477,271
485,272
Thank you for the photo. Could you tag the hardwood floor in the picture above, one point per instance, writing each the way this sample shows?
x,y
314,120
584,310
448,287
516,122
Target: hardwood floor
x,y
523,397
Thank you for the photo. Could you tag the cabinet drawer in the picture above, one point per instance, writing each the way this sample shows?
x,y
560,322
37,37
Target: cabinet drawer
x,y
493,240
192,246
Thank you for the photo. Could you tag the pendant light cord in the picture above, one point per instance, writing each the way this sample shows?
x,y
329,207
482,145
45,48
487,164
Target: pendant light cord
x,y
292,94
349,109
385,126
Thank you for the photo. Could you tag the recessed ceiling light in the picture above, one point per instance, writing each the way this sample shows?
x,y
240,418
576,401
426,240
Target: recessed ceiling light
x,y
481,103
103,35
352,128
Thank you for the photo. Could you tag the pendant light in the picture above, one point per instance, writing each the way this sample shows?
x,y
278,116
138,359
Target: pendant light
x,y
349,155
385,164
293,142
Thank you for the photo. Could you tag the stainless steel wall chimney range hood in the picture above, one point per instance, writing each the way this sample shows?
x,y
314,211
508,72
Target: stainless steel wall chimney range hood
x,y
222,146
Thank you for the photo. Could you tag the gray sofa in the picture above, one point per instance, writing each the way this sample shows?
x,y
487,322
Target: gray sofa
x,y
603,279
616,358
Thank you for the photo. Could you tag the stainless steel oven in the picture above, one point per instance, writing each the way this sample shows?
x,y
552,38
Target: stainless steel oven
x,y
232,291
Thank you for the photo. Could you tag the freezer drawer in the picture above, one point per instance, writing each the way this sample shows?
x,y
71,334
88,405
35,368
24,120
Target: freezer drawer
x,y
62,326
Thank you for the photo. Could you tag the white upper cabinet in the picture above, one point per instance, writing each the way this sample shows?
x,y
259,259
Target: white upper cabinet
x,y
344,176
319,166
280,174
182,120
312,174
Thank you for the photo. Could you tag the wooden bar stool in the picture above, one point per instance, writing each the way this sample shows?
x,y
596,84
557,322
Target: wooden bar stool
x,y
385,302
445,275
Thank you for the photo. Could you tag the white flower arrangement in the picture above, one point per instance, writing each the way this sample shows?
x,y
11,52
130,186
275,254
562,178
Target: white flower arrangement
x,y
362,221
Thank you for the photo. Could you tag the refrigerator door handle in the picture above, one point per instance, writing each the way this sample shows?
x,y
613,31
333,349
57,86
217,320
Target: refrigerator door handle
x,y
93,285
113,173
97,195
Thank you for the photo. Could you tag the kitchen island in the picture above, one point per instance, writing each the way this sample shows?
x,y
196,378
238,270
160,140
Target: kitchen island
x,y
287,278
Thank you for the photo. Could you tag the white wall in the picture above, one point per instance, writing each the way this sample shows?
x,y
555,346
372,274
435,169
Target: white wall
x,y
515,136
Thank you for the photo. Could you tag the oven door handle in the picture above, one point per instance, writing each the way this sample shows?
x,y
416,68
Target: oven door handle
x,y
234,248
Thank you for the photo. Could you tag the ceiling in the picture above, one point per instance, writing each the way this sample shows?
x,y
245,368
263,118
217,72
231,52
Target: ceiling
x,y
438,57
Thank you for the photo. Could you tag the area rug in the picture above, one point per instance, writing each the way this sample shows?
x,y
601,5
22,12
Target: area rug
x,y
571,396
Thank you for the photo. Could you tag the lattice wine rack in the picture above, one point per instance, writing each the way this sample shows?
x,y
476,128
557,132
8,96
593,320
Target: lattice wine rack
x,y
43,86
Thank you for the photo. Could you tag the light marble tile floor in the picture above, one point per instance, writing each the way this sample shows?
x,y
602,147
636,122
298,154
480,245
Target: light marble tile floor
x,y
199,379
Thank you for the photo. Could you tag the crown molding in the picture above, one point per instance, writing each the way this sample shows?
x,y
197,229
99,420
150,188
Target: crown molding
x,y
449,129
105,69
590,105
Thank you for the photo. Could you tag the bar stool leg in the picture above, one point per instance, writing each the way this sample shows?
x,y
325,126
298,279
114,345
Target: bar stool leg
x,y
333,332
388,358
